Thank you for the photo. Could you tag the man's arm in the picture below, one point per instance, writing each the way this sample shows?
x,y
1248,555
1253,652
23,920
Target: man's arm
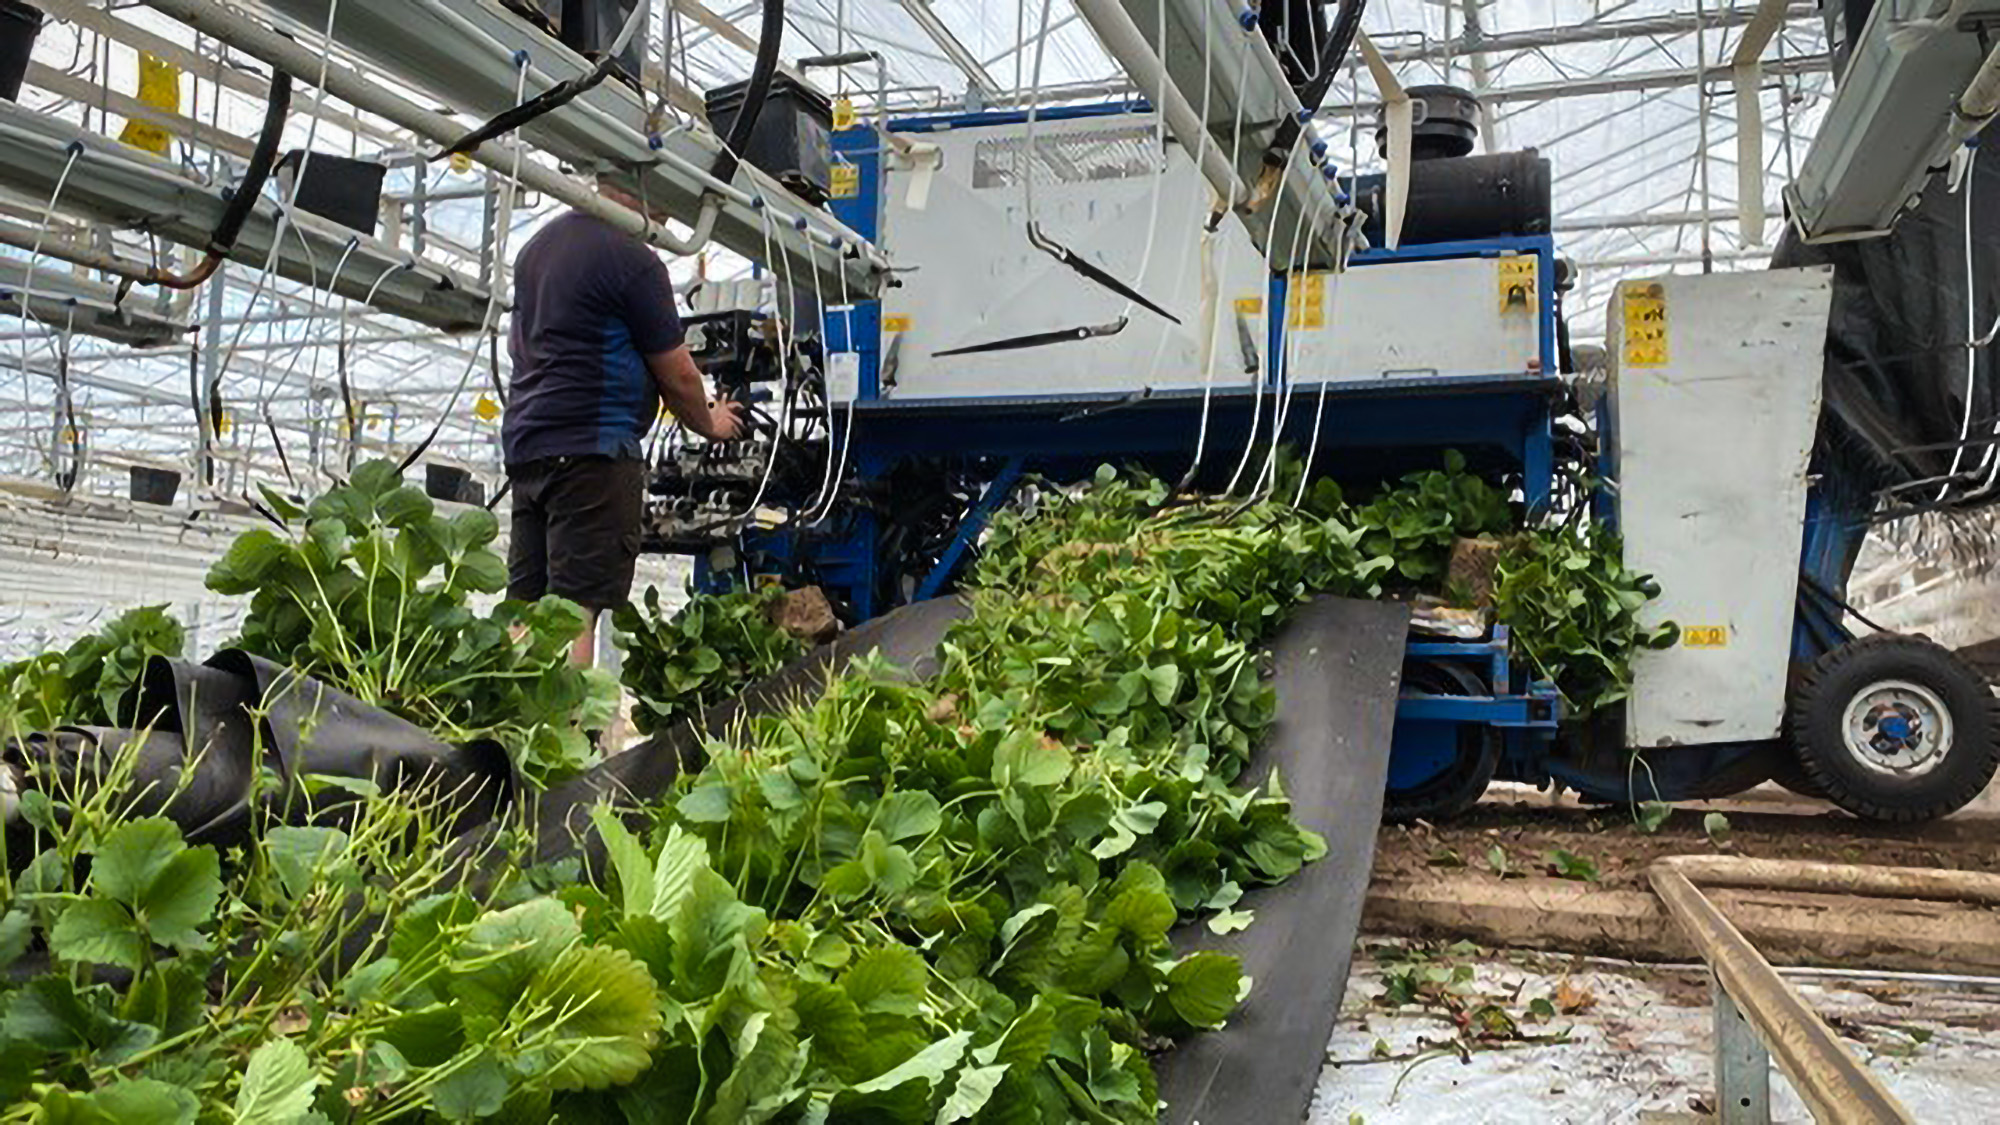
x,y
686,394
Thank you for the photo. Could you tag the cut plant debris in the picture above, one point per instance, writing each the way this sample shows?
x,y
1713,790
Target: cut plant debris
x,y
934,900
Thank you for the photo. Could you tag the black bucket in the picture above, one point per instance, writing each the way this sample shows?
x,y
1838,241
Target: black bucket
x,y
19,24
154,486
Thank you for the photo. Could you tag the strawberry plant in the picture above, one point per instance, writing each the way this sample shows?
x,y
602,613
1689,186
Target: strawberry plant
x,y
1574,611
83,684
714,646
370,590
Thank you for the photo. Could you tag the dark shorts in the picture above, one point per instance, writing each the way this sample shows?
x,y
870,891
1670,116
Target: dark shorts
x,y
576,529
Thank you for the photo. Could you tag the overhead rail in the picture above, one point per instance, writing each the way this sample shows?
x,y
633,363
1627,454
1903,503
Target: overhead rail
x,y
466,53
64,302
112,183
1227,103
1920,80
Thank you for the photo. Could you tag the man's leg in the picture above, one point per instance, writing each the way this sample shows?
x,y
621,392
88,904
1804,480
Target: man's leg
x,y
528,540
594,505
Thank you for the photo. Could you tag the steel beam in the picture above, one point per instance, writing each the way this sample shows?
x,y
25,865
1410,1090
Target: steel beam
x,y
975,72
1603,31
115,184
464,51
62,301
1559,89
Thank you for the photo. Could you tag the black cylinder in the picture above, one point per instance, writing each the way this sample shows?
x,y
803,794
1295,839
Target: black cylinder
x,y
1465,198
19,24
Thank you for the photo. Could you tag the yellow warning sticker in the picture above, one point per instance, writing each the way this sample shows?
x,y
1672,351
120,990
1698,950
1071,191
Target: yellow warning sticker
x,y
1517,283
895,324
1249,306
1305,301
485,409
159,87
461,163
846,181
1645,309
1705,636
843,113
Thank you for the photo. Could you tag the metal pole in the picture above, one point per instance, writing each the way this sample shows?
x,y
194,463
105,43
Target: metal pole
x,y
1742,1065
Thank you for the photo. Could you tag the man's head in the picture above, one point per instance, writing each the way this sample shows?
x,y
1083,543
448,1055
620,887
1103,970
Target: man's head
x,y
624,198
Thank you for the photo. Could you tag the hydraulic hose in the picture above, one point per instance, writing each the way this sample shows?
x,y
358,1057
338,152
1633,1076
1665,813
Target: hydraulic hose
x,y
262,159
1345,25
755,92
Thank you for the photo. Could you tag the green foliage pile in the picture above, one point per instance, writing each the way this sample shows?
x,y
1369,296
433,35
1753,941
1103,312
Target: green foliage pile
x,y
83,684
935,901
327,974
369,590
675,666
1573,607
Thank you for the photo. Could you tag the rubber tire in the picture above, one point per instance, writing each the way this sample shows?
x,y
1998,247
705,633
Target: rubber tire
x,y
1479,753
1792,777
1819,703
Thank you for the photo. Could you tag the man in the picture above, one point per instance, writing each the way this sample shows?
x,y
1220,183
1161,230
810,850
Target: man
x,y
597,347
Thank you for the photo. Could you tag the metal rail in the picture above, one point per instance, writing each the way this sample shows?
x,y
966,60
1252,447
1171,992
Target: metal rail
x,y
1759,1017
114,184
466,52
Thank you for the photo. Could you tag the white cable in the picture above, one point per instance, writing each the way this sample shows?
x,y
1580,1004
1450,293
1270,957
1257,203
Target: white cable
x,y
1257,399
1969,187
824,505
28,288
1034,114
1267,477
1215,312
784,356
1312,447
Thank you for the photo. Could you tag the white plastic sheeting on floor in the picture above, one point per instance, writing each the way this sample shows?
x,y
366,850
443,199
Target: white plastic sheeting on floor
x,y
1642,1051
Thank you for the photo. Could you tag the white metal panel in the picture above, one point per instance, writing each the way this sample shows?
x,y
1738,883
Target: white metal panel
x,y
977,278
1402,320
1716,384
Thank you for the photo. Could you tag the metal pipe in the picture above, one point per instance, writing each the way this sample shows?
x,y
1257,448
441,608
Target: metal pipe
x,y
364,93
1125,43
1835,1086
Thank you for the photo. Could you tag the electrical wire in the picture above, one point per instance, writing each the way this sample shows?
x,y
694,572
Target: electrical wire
x,y
28,283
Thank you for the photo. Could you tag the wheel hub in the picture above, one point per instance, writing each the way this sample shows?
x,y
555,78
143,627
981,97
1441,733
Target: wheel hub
x,y
1898,727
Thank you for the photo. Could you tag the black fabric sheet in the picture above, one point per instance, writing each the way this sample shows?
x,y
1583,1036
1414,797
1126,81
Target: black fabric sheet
x,y
1896,384
1338,666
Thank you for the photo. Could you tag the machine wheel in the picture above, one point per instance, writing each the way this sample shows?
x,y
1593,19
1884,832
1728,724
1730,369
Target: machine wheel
x,y
1895,728
1790,774
1459,786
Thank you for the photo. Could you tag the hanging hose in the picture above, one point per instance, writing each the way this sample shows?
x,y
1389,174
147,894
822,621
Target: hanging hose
x,y
262,159
1345,26
755,92
551,99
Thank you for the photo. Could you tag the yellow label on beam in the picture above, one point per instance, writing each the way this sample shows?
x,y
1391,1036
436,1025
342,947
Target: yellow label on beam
x,y
1517,283
485,409
843,113
1249,306
1645,308
1705,636
895,324
846,181
1305,301
159,87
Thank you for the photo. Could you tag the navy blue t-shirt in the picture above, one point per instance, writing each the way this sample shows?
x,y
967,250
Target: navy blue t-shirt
x,y
590,303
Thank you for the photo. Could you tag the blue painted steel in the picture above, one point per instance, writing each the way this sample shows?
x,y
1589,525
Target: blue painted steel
x,y
1420,749
933,122
969,529
859,329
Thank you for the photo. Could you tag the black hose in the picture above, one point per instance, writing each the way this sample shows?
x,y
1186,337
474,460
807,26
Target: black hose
x,y
755,91
1335,49
261,161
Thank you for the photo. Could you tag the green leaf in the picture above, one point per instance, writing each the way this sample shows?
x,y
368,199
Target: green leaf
x,y
887,979
49,1014
1025,758
170,888
297,854
277,1086
974,1089
928,1066
606,1019
472,1090
505,950
17,929
906,814
1716,826
249,560
96,931
1203,988
1166,682
144,1101
705,804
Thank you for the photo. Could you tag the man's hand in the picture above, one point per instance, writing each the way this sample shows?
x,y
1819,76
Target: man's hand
x,y
725,420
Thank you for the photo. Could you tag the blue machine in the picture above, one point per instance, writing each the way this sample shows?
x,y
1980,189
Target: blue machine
x,y
1466,700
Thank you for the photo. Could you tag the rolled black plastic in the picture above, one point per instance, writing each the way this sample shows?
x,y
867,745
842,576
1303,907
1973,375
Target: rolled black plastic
x,y
1455,200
